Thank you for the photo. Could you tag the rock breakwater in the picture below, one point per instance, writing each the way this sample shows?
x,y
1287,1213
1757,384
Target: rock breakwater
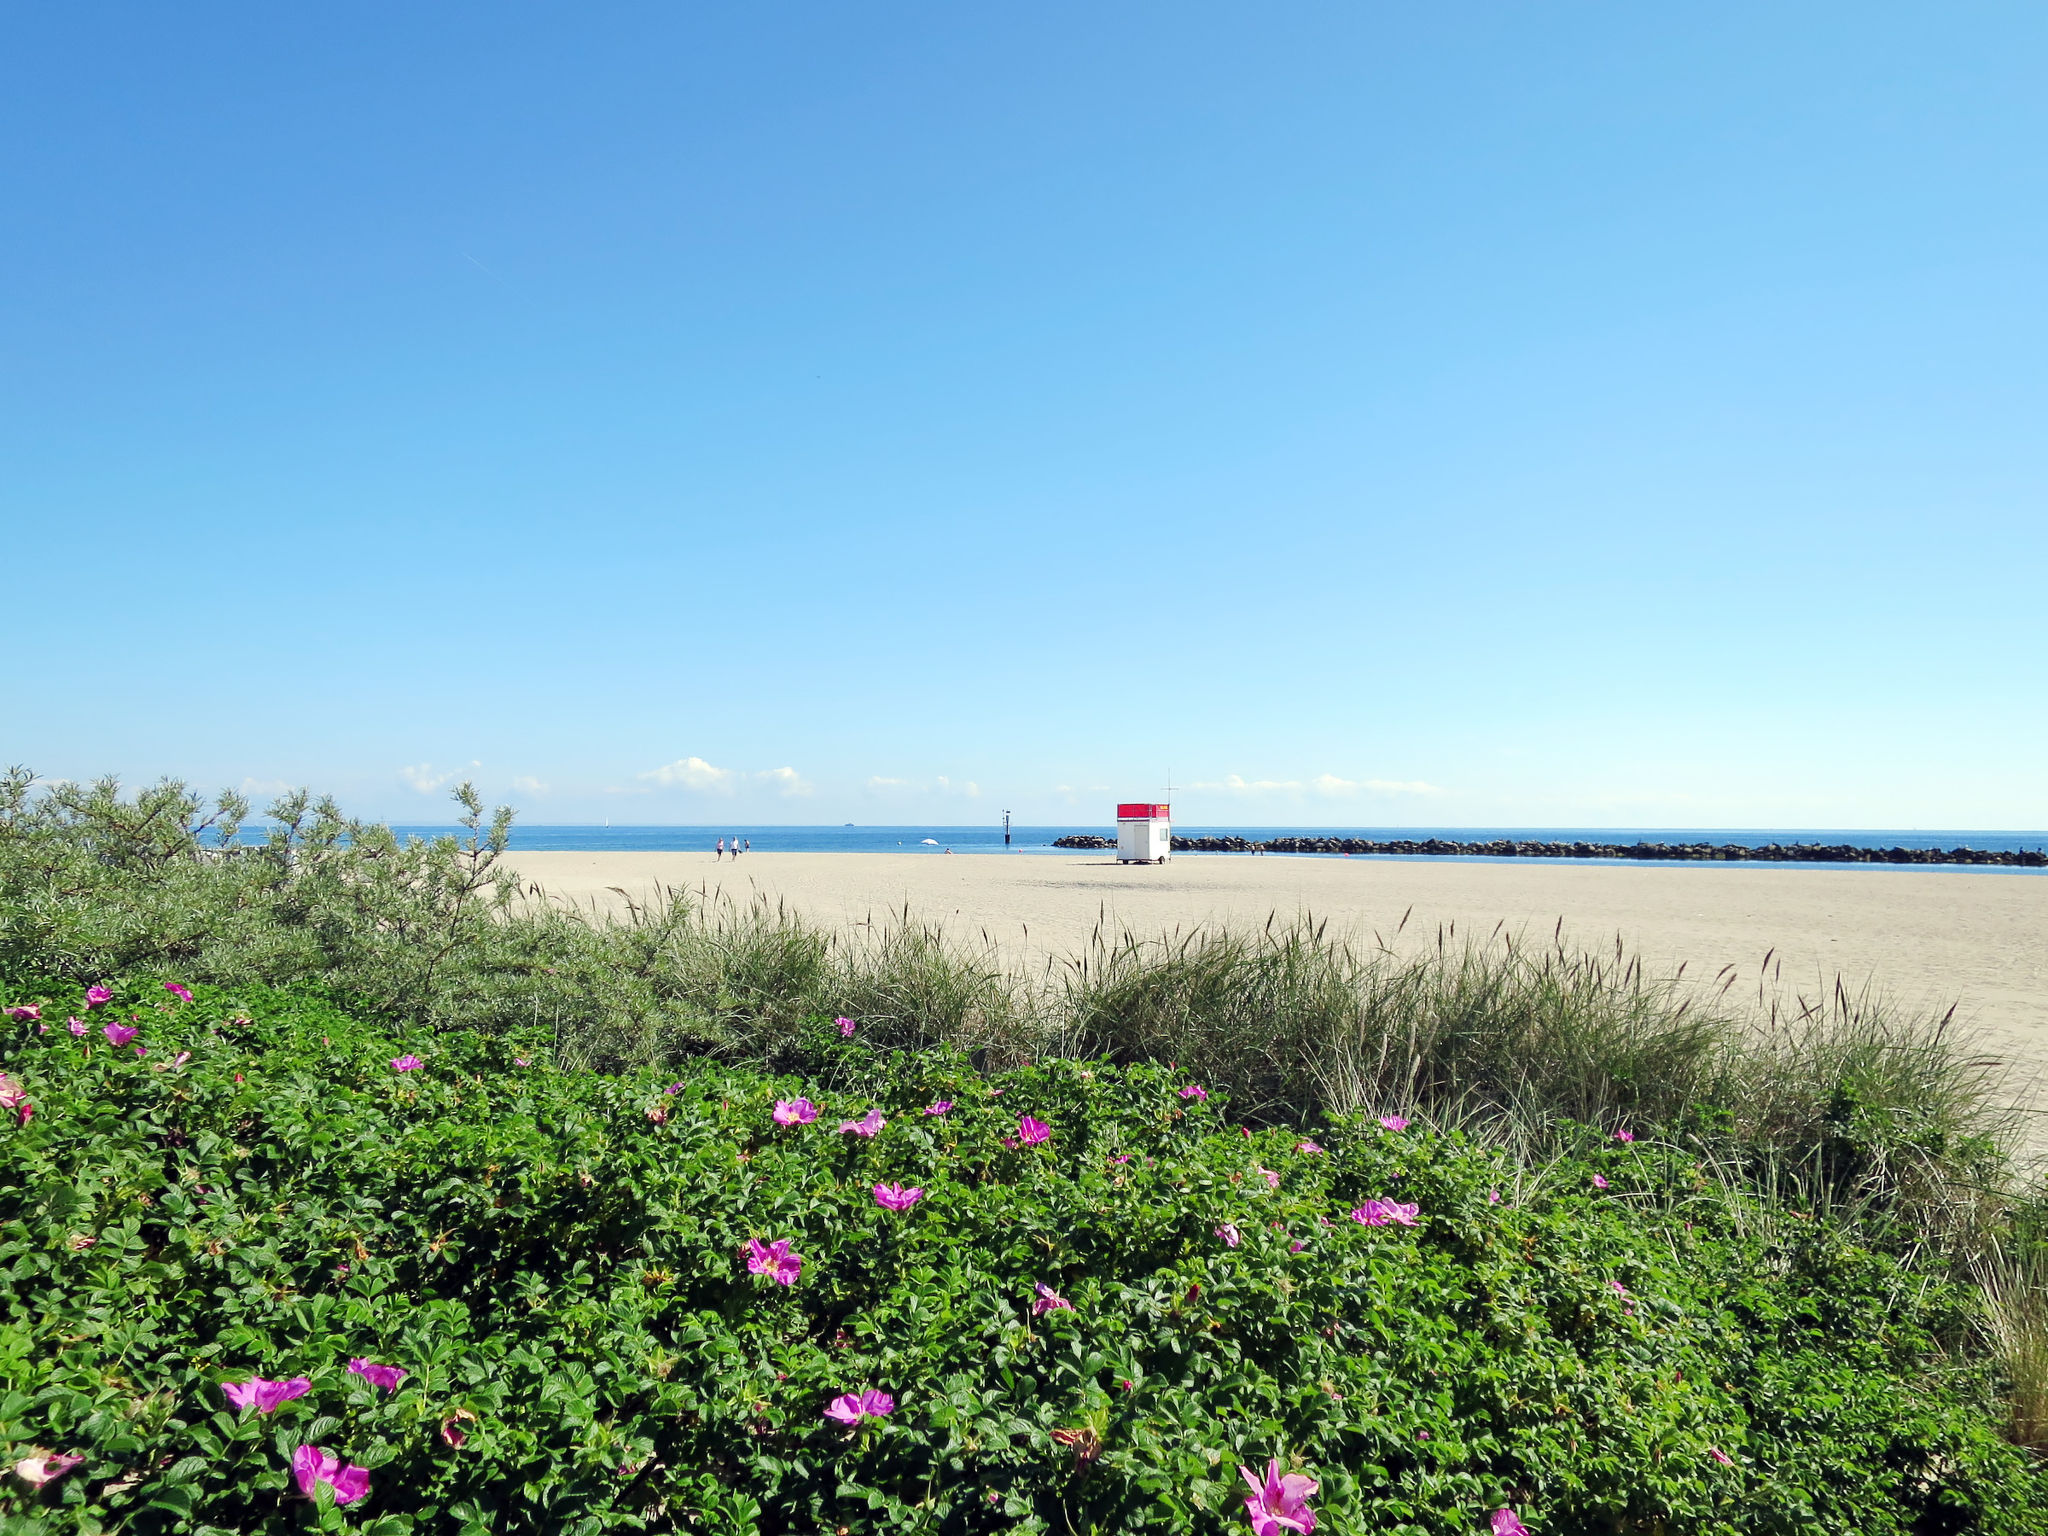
x,y
1503,848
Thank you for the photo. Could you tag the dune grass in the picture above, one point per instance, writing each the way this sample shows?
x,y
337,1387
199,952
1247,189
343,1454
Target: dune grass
x,y
2012,1276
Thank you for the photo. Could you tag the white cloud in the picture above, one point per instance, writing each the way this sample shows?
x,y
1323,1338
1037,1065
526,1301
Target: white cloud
x,y
1330,784
1233,784
530,785
787,780
693,773
1327,784
973,790
878,782
421,776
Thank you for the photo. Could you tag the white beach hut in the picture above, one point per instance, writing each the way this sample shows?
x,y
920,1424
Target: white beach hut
x,y
1144,833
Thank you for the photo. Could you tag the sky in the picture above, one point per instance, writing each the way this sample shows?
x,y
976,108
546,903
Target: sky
x,y
1367,415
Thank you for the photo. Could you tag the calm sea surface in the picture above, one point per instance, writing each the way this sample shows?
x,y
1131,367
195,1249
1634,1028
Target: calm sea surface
x,y
1038,840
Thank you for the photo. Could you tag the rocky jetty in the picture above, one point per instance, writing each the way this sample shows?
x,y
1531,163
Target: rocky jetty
x,y
1732,853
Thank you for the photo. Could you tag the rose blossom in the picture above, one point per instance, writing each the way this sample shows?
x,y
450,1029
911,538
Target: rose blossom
x,y
851,1408
313,1466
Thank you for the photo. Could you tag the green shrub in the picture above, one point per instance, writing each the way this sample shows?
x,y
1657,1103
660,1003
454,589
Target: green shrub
x,y
555,1259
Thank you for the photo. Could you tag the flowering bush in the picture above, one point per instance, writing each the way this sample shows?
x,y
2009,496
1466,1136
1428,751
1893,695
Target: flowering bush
x,y
282,1286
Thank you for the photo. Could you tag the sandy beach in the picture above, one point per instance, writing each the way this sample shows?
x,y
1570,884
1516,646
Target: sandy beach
x,y
1929,938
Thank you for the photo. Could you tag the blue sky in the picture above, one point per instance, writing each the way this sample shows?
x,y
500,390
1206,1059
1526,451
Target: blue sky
x,y
1375,415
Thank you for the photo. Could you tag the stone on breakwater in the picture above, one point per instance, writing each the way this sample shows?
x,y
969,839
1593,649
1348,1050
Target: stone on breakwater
x,y
1502,848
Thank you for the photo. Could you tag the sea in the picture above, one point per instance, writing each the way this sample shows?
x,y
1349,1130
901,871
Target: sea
x,y
1026,841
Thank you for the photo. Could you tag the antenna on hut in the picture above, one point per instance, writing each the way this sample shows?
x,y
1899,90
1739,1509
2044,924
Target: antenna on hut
x,y
1167,811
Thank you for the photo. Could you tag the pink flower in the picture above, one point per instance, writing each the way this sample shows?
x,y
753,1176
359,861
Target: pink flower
x,y
1194,1091
1493,1197
181,1058
1296,1246
1272,1178
1049,1300
141,1051
264,1396
40,1469
521,1061
27,1013
997,1093
1280,1504
11,1092
27,1112
76,1026
1721,1456
673,1088
406,1063
453,1433
1618,1288
894,1197
386,1376
1031,1132
1394,1122
1507,1523
845,1027
939,1107
119,1034
1121,1157
1377,1213
1306,1146
1624,1135
98,997
1599,1182
774,1260
794,1112
855,1406
868,1125
182,993
314,1466
1229,1233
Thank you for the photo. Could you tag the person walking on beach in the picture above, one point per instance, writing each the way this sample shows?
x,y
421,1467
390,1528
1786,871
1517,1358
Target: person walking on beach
x,y
721,851
750,845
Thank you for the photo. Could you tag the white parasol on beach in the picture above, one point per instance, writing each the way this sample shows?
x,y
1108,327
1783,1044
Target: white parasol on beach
x,y
933,841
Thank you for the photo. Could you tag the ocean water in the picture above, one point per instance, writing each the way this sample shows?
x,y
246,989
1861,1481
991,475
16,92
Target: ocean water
x,y
1038,840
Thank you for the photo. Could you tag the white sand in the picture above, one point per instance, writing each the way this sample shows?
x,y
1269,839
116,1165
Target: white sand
x,y
1928,938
